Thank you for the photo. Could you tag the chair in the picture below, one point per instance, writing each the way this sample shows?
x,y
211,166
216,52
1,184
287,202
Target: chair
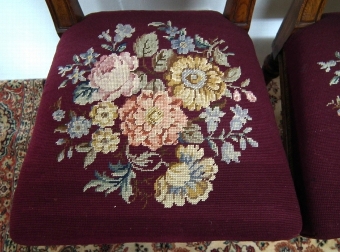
x,y
154,125
306,52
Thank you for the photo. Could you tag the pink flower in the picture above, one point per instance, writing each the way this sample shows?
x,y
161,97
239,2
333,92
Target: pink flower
x,y
250,96
113,76
237,96
152,119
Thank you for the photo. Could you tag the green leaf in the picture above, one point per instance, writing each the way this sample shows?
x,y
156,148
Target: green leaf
x,y
245,83
146,45
337,54
161,60
335,80
90,157
247,130
213,146
107,47
156,24
83,94
61,156
76,59
126,189
63,84
243,144
83,147
201,42
252,142
220,58
232,74
121,47
143,159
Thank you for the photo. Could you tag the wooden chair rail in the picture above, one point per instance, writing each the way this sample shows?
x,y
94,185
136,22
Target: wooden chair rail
x,y
301,13
66,13
240,12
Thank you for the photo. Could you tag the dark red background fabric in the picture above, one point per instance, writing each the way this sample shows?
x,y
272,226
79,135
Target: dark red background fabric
x,y
250,200
316,125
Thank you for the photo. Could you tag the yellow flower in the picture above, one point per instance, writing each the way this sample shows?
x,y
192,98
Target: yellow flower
x,y
190,179
104,114
103,140
196,82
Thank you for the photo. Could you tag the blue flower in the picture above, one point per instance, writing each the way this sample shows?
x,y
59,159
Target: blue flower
x,y
78,126
172,31
229,154
76,75
240,118
123,31
89,57
58,115
183,44
212,118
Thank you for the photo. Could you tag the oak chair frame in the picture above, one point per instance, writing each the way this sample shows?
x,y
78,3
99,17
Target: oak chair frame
x,y
66,13
301,13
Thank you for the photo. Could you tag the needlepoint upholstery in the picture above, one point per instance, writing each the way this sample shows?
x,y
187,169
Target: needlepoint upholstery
x,y
154,126
312,58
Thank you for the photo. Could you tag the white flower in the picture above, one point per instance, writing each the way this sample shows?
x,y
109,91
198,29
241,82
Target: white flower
x,y
212,118
58,115
78,127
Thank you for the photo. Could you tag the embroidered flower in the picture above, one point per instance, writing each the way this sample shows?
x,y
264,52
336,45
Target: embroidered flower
x,y
76,76
190,179
237,96
250,96
183,44
240,118
172,31
58,115
212,118
104,114
191,134
89,57
113,76
103,140
196,82
152,119
229,154
78,126
123,31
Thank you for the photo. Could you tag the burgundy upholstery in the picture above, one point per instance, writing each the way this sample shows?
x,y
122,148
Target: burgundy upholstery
x,y
174,128
312,63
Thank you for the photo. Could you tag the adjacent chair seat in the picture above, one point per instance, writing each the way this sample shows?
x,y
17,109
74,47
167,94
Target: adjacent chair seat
x,y
312,69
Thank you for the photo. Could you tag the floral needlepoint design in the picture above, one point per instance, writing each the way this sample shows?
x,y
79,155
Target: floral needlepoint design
x,y
327,66
103,140
189,179
104,114
196,82
174,110
152,119
113,76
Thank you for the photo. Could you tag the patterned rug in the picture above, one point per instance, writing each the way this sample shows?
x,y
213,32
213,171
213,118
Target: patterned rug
x,y
19,101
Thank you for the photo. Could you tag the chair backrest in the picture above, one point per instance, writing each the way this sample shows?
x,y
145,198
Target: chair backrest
x,y
66,13
301,14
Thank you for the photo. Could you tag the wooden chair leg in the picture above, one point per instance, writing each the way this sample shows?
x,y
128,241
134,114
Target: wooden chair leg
x,y
270,68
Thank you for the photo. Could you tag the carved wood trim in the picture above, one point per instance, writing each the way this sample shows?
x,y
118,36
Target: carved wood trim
x,y
65,13
301,14
240,12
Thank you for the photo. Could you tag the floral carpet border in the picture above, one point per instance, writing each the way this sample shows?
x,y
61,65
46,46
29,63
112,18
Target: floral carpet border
x,y
19,101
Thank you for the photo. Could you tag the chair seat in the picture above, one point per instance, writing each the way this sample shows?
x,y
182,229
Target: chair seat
x,y
154,125
312,65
